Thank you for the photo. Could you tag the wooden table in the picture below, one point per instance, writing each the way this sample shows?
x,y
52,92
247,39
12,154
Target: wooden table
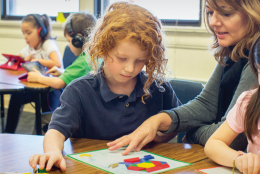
x,y
9,84
16,150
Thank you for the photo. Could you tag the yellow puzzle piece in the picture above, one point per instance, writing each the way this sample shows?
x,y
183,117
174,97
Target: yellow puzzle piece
x,y
145,165
85,155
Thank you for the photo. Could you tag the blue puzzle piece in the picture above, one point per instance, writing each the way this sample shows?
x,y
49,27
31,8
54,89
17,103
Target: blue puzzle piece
x,y
163,162
148,157
142,160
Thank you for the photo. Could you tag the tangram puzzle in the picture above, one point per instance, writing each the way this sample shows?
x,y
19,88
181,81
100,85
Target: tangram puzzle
x,y
143,164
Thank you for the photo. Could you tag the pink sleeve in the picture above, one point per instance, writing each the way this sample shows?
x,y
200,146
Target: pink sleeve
x,y
236,115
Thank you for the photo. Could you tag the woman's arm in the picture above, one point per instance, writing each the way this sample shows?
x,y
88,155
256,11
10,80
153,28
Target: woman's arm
x,y
202,134
200,111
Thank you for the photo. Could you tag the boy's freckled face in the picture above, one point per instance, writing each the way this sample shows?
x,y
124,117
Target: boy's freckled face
x,y
76,51
124,62
30,34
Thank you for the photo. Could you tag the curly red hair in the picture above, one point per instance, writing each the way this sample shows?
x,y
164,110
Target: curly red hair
x,y
122,22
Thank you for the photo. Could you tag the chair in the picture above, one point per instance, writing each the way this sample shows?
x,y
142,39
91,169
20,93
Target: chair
x,y
68,59
185,91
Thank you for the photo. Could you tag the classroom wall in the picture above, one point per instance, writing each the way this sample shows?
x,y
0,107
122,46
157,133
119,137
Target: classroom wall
x,y
187,47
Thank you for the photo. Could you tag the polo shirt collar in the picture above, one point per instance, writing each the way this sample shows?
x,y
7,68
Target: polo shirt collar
x,y
108,95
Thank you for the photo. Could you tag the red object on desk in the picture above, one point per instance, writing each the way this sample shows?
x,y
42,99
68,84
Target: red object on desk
x,y
16,65
23,77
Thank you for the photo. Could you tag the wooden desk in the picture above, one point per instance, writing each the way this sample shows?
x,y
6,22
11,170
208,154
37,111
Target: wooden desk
x,y
9,83
16,150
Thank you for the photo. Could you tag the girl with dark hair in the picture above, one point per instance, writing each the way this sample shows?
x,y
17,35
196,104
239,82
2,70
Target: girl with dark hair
x,y
42,48
243,117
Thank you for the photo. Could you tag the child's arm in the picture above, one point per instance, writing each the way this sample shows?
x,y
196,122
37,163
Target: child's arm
x,y
54,82
53,145
55,60
217,148
55,71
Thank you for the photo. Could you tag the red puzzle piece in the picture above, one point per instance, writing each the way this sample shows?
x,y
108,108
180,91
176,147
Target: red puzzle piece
x,y
132,160
152,169
135,168
156,163
164,166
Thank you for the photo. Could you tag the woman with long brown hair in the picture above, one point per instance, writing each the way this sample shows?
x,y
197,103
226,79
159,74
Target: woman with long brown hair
x,y
234,25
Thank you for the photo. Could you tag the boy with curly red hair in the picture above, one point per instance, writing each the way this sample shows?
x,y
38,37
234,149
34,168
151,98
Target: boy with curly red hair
x,y
117,97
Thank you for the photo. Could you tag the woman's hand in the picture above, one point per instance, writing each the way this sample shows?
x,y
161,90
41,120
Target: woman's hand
x,y
29,58
248,163
144,134
51,158
34,76
55,71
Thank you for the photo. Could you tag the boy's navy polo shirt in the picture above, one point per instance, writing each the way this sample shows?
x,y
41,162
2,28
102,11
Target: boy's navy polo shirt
x,y
90,110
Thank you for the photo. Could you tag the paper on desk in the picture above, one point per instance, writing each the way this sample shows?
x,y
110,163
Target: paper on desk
x,y
218,170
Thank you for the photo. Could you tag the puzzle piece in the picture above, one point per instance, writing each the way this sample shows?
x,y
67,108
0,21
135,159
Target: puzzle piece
x,y
146,165
156,163
85,155
152,169
135,168
42,170
132,160
114,165
148,157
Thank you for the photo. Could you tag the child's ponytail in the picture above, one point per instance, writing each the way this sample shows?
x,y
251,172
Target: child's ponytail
x,y
252,114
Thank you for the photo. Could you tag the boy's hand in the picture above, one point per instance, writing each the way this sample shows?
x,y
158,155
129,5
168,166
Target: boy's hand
x,y
55,71
33,76
139,138
51,158
28,58
144,134
248,163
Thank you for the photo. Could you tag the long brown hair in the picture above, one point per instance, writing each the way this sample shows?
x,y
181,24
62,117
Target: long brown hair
x,y
122,22
252,114
249,7
46,21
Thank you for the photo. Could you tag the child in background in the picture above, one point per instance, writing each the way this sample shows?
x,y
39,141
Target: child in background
x,y
119,96
76,28
42,48
243,117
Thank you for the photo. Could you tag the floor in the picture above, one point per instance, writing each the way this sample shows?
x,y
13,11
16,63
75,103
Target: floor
x,y
26,123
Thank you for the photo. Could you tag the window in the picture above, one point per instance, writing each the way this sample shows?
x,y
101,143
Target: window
x,y
171,12
16,9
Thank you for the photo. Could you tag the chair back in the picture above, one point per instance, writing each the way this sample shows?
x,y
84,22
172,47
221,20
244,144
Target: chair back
x,y
68,57
186,90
